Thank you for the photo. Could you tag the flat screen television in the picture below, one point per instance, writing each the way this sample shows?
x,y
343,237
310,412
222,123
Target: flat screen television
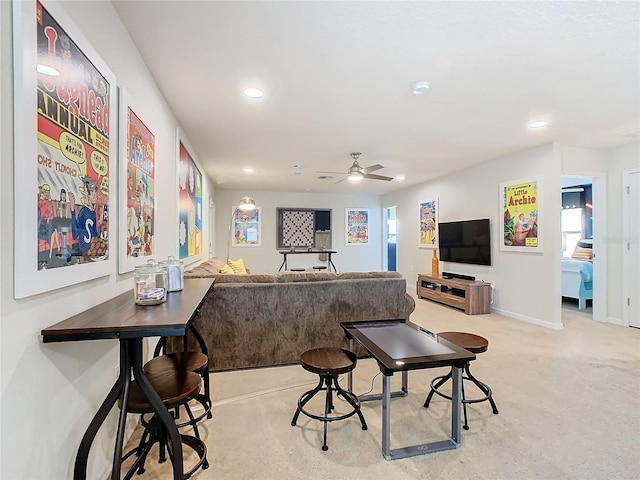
x,y
467,241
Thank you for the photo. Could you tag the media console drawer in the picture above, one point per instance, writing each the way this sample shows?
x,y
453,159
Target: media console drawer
x,y
469,295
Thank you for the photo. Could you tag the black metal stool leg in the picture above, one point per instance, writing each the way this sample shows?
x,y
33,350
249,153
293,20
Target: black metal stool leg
x,y
304,399
328,407
353,401
329,383
435,387
464,407
484,387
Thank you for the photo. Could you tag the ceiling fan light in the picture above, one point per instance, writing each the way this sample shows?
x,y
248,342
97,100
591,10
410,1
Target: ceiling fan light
x,y
355,177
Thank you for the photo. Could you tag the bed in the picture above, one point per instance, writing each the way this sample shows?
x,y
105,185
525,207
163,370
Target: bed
x,y
577,280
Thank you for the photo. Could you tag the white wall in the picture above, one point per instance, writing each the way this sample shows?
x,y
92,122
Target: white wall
x,y
617,160
520,279
50,392
266,259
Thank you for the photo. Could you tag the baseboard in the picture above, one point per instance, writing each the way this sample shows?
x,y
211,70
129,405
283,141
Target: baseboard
x,y
527,319
617,321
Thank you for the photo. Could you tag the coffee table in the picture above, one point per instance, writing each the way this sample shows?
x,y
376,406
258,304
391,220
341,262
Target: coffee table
x,y
401,346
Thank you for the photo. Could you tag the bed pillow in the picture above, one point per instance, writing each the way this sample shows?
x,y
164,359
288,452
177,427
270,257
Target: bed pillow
x,y
582,253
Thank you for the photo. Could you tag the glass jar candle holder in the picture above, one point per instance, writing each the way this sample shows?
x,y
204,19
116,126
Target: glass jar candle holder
x,y
150,283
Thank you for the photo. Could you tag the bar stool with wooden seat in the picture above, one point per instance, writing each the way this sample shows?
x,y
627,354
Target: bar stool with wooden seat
x,y
329,363
185,361
475,344
174,390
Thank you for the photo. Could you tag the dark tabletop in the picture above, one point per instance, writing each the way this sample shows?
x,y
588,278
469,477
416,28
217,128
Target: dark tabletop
x,y
399,345
289,252
121,317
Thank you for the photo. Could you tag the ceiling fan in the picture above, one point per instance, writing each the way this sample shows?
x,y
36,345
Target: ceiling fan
x,y
356,173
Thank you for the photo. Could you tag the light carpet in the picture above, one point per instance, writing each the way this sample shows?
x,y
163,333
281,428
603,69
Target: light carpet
x,y
569,405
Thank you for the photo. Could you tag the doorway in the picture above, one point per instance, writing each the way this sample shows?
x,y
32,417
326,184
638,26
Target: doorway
x,y
592,201
389,240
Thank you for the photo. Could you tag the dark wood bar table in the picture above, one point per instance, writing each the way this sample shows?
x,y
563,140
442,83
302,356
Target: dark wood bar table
x,y
330,264
120,318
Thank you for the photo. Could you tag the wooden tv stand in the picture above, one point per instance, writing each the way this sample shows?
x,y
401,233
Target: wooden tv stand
x,y
469,295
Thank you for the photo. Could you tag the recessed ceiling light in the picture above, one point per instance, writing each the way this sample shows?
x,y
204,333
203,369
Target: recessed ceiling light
x,y
248,170
400,178
537,124
253,93
47,70
420,88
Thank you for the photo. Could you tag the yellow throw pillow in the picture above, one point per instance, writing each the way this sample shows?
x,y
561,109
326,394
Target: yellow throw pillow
x,y
227,270
237,266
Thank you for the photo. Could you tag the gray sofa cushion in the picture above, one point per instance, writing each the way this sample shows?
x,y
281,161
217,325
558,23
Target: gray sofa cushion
x,y
356,275
286,277
250,278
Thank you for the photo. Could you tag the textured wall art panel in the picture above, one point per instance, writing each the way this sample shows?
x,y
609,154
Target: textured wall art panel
x,y
297,228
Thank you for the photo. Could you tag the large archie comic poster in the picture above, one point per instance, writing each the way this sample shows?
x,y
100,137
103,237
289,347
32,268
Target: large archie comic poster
x,y
521,215
73,130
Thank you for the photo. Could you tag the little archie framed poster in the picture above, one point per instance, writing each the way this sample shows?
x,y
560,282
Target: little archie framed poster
x,y
521,214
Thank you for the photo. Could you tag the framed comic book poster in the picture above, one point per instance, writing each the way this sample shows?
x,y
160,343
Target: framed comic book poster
x,y
429,224
189,205
64,116
246,227
521,214
357,226
137,173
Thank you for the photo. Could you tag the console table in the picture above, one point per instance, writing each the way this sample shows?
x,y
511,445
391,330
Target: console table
x,y
307,252
120,318
474,297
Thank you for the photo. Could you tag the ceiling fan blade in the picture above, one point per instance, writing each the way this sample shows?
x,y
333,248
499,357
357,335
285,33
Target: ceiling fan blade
x,y
377,177
335,173
340,181
372,168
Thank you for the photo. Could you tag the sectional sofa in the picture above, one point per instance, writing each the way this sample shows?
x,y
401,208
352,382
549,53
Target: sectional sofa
x,y
265,320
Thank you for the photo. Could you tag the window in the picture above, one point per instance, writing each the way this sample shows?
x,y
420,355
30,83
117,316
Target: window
x,y
571,227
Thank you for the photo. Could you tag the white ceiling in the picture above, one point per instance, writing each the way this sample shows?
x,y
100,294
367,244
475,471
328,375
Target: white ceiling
x,y
337,78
